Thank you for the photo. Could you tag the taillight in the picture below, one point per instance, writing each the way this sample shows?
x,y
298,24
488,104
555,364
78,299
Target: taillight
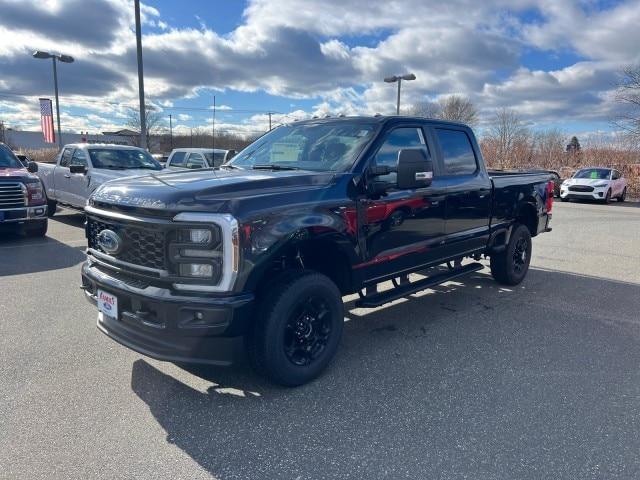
x,y
35,194
550,189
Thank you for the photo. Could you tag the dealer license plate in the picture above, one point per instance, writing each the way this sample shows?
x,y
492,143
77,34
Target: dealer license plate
x,y
108,304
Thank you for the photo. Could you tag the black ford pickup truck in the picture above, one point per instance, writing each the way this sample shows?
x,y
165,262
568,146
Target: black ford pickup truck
x,y
187,266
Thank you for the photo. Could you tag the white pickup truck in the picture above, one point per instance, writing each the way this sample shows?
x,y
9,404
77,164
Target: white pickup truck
x,y
81,168
181,158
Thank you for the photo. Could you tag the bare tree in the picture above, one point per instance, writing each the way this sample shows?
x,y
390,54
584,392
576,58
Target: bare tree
x,y
454,107
508,143
458,109
155,122
628,95
425,109
549,149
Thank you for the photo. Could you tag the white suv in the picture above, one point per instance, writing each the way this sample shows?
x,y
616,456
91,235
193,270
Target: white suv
x,y
594,183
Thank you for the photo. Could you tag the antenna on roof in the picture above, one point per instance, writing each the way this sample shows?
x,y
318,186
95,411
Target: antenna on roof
x,y
377,115
327,116
341,115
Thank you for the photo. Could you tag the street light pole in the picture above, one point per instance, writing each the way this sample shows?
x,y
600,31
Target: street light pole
x,y
55,83
143,119
399,78
55,58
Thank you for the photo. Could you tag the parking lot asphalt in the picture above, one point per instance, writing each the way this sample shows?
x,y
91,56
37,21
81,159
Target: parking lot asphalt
x,y
468,380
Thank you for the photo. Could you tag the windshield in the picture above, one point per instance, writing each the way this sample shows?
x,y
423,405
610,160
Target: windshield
x,y
124,159
593,173
318,147
8,159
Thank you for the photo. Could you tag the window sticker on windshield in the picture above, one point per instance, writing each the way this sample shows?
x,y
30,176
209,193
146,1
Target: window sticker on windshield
x,y
284,152
594,175
362,133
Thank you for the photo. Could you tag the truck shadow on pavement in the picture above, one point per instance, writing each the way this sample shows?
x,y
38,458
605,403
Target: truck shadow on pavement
x,y
469,379
20,255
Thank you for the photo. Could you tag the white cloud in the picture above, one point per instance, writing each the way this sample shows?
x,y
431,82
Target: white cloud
x,y
335,51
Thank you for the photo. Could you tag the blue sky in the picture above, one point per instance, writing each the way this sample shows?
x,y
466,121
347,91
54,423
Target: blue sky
x,y
555,63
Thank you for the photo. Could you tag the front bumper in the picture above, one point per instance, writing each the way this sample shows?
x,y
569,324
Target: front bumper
x,y
23,214
596,194
177,328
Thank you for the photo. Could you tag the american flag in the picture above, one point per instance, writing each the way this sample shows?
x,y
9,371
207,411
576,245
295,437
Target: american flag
x,y
46,120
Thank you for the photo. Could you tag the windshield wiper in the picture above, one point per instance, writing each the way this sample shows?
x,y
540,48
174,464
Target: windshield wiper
x,y
228,165
273,166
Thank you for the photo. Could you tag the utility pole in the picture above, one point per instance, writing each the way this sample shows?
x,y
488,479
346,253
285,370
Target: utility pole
x,y
2,132
191,137
143,119
213,125
170,132
269,120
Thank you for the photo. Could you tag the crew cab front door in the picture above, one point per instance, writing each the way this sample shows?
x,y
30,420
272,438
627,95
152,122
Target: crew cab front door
x,y
404,228
62,176
78,182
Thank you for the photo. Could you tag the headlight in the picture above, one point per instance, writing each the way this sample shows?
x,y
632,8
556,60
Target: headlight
x,y
601,185
35,193
195,235
207,250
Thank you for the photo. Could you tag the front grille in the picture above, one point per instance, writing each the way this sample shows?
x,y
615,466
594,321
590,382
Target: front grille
x,y
141,246
12,195
580,188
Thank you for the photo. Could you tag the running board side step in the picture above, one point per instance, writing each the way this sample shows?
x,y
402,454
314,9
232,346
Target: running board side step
x,y
377,299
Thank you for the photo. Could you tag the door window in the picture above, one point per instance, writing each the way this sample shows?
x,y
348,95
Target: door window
x,y
66,157
397,140
457,151
616,175
178,160
196,160
79,158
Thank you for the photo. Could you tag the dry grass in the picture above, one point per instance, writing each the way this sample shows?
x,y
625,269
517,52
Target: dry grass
x,y
45,155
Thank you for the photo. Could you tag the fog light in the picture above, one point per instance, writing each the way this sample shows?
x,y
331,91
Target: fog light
x,y
200,270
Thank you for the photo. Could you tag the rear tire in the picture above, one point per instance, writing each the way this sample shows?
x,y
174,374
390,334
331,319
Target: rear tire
x,y
36,229
299,328
510,266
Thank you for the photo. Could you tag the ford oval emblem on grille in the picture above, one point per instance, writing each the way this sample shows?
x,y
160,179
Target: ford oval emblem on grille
x,y
110,242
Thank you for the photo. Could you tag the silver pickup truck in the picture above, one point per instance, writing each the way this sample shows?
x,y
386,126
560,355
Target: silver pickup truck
x,y
81,168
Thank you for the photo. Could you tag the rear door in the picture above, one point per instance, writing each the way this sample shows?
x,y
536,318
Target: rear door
x,y
404,227
62,177
178,159
196,160
468,204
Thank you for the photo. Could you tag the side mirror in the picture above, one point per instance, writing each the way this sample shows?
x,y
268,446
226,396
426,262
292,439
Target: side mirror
x,y
230,154
32,167
77,169
415,169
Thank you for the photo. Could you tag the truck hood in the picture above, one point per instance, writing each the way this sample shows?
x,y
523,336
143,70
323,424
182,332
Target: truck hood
x,y
205,190
107,174
16,174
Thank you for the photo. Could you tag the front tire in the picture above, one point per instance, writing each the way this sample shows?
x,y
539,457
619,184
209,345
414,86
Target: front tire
x,y
623,196
299,329
52,206
510,266
607,198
